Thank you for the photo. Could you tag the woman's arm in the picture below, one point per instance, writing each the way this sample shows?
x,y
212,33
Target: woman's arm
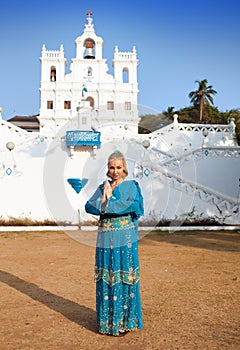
x,y
93,205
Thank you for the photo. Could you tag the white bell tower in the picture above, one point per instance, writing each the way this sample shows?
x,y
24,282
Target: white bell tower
x,y
125,62
53,65
89,45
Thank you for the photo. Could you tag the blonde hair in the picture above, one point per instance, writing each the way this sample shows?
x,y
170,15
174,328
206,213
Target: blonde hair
x,y
117,155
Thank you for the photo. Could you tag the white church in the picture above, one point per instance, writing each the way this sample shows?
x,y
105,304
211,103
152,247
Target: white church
x,y
187,172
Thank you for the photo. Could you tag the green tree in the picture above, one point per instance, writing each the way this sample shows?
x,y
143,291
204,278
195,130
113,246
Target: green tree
x,y
150,122
202,96
188,115
169,112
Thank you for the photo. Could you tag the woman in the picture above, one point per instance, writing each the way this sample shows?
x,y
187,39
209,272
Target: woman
x,y
119,204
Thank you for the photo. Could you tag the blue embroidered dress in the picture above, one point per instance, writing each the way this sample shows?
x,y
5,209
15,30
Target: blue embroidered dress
x,y
117,272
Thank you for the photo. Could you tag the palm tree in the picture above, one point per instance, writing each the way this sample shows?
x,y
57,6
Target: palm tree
x,y
169,112
202,96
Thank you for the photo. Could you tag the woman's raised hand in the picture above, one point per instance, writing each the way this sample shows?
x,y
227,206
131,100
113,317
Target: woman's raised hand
x,y
107,191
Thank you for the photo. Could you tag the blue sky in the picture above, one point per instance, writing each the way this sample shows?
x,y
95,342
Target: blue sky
x,y
177,42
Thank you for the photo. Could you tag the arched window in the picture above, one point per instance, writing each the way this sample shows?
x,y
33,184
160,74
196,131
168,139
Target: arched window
x,y
125,75
91,100
53,76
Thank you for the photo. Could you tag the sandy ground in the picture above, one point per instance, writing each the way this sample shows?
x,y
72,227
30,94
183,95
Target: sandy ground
x,y
190,285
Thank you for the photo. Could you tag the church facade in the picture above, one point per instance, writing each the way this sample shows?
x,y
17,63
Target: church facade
x,y
88,94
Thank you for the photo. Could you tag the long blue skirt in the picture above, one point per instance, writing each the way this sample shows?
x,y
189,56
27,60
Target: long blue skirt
x,y
117,277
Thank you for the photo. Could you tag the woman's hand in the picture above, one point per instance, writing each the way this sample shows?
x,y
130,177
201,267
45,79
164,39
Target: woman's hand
x,y
107,191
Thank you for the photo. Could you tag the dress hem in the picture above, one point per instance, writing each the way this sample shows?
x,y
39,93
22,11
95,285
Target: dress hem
x,y
125,329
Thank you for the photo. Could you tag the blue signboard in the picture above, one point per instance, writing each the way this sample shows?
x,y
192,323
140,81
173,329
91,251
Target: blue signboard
x,y
83,138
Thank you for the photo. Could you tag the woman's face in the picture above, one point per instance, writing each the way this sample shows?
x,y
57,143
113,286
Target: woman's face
x,y
116,169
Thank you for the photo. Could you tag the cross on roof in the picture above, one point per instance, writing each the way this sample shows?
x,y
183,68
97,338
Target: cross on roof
x,y
89,13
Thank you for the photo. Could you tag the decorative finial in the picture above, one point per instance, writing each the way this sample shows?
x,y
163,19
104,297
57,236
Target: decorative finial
x,y
89,13
89,25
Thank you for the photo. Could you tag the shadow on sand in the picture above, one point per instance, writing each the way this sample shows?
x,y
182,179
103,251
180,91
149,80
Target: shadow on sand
x,y
79,314
217,240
